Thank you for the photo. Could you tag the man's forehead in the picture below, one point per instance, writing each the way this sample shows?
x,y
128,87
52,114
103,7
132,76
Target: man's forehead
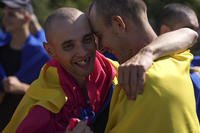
x,y
73,29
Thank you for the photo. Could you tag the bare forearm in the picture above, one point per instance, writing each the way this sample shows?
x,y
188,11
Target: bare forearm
x,y
131,74
172,42
13,85
35,25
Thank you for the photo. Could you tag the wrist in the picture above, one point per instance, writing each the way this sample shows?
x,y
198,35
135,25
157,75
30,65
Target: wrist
x,y
24,87
148,50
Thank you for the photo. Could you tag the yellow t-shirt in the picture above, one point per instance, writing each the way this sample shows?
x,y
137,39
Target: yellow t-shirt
x,y
166,106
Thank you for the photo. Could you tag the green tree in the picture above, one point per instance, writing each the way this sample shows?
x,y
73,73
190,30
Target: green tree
x,y
44,7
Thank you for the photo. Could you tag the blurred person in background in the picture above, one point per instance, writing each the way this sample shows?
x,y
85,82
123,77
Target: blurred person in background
x,y
36,29
21,56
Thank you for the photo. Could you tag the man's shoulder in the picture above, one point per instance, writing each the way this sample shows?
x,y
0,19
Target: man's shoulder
x,y
170,64
169,77
46,89
170,70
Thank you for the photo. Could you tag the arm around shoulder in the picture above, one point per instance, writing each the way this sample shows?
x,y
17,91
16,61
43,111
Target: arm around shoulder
x,y
173,42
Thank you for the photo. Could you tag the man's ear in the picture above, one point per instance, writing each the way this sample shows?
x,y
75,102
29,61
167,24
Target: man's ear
x,y
164,29
49,49
118,24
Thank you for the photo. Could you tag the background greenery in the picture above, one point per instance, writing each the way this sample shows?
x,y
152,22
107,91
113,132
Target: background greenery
x,y
44,7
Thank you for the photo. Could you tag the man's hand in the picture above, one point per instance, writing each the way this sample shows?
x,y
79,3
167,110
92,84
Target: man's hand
x,y
34,25
81,127
13,85
131,74
34,19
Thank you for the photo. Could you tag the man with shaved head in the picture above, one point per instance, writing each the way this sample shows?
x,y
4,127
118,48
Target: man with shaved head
x,y
75,85
167,104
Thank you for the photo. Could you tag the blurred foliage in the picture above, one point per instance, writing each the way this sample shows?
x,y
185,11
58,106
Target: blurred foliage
x,y
44,7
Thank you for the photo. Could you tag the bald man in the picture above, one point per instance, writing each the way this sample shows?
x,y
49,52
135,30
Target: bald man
x,y
75,85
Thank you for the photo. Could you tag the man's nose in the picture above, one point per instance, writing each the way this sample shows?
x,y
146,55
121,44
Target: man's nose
x,y
81,50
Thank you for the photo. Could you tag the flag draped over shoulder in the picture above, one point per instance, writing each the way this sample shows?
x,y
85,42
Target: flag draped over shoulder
x,y
57,91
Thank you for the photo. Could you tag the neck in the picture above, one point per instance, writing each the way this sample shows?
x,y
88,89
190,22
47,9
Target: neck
x,y
137,42
19,37
125,56
150,34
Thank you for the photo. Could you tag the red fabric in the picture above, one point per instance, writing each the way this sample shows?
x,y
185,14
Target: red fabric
x,y
37,121
72,123
98,84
